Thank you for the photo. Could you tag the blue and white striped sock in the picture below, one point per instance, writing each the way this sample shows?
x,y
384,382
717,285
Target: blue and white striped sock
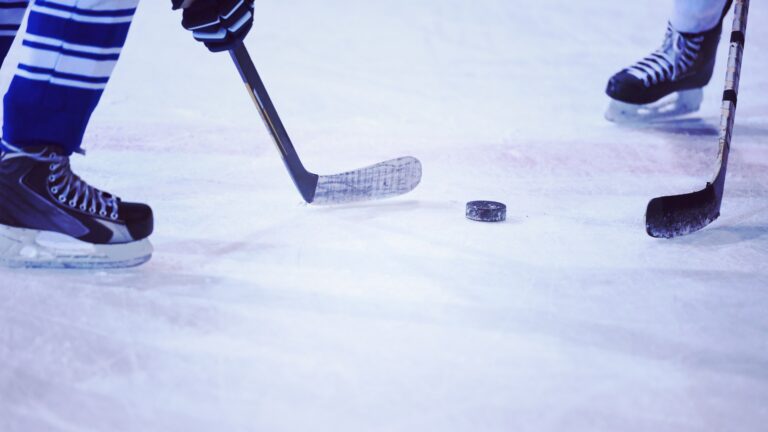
x,y
67,56
11,15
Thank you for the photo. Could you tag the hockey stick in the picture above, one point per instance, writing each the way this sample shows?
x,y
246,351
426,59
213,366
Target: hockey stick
x,y
677,215
382,180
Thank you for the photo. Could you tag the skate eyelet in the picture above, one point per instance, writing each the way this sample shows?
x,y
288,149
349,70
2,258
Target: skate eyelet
x,y
92,210
72,203
113,216
51,178
102,213
54,190
83,207
62,198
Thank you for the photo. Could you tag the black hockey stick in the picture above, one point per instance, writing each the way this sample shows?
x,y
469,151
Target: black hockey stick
x,y
677,215
382,180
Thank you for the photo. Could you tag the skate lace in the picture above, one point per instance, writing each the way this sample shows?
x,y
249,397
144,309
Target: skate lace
x,y
673,59
68,188
71,190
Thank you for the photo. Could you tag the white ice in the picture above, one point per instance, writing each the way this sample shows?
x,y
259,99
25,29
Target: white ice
x,y
259,313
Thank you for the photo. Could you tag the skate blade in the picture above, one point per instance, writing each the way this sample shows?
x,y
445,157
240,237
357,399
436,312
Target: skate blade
x,y
25,248
672,106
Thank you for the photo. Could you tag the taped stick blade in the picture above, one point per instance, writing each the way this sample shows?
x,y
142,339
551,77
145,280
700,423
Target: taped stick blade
x,y
677,215
382,180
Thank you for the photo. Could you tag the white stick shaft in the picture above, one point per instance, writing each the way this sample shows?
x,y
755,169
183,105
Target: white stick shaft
x,y
733,74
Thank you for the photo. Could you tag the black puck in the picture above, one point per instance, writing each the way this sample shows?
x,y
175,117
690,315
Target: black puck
x,y
486,211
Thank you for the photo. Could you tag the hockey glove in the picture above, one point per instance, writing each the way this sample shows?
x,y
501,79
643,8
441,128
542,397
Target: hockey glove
x,y
219,24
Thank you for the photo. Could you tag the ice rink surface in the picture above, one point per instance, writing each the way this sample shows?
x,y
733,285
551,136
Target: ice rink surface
x,y
259,313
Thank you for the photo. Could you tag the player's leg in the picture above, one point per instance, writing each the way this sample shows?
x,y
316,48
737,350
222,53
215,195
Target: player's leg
x,y
11,15
697,16
67,55
669,81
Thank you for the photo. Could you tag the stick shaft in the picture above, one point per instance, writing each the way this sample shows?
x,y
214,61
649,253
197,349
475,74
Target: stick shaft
x,y
732,78
305,181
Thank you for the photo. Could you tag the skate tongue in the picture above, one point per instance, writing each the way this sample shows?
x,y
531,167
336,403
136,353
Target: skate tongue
x,y
54,150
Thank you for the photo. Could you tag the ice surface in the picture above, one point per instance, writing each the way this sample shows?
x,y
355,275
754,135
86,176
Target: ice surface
x,y
258,313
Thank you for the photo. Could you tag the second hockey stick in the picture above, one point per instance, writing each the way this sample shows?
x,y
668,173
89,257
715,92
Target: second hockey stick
x,y
677,215
382,180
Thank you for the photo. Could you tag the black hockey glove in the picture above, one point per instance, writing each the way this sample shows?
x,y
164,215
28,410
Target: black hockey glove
x,y
217,23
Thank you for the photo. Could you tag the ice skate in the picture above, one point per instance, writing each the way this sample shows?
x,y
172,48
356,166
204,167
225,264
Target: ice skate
x,y
50,218
666,84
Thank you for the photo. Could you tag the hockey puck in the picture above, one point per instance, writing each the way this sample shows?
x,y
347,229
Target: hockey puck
x,y
486,211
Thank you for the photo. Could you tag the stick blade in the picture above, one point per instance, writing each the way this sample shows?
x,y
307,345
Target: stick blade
x,y
382,180
678,215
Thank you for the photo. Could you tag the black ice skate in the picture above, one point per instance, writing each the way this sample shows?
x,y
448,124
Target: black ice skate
x,y
51,218
667,83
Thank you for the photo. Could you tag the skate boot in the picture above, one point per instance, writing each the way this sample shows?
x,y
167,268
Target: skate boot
x,y
668,83
50,218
